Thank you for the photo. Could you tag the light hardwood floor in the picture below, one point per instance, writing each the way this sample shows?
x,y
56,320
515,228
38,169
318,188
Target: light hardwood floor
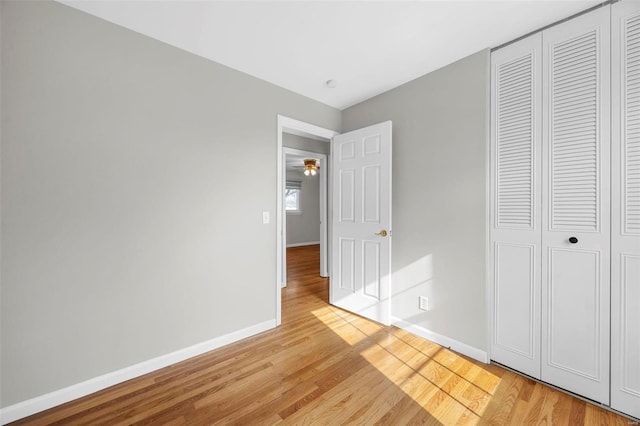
x,y
326,366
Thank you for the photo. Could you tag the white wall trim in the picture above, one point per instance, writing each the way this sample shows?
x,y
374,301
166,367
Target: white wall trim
x,y
300,128
309,243
49,400
445,341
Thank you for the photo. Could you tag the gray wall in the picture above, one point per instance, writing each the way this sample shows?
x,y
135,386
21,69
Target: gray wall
x,y
305,227
131,227
439,195
306,144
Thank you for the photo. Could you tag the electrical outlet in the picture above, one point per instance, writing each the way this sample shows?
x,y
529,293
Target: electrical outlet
x,y
423,303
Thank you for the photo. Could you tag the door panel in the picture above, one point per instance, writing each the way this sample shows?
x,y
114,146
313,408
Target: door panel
x,y
347,202
515,202
347,264
629,334
371,190
576,227
362,209
371,271
625,223
574,334
515,288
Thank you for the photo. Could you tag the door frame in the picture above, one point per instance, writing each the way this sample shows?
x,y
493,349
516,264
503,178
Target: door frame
x,y
300,128
324,270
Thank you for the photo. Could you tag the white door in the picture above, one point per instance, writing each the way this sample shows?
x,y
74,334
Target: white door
x,y
361,234
625,222
516,84
576,200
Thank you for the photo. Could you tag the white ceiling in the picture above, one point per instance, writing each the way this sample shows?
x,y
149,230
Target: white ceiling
x,y
367,47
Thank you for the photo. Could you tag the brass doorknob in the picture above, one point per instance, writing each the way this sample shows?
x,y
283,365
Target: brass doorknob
x,y
382,233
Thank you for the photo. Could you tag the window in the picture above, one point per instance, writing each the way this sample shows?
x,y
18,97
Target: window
x,y
292,193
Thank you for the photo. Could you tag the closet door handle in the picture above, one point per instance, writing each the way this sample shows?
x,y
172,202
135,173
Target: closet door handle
x,y
573,240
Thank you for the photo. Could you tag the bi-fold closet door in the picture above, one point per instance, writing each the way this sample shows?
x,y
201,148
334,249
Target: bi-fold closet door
x,y
550,186
625,199
576,205
516,233
557,294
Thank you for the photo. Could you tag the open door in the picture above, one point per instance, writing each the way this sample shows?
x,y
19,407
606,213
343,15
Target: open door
x,y
361,232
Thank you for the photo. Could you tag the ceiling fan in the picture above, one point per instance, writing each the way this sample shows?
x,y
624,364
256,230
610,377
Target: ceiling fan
x,y
310,166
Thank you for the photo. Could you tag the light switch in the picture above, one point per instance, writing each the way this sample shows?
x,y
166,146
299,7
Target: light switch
x,y
265,218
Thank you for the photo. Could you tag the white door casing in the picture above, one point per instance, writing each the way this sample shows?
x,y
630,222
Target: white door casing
x,y
361,251
575,205
515,205
625,201
297,127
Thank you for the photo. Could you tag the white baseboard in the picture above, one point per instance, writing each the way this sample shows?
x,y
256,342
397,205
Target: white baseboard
x,y
44,402
445,341
310,243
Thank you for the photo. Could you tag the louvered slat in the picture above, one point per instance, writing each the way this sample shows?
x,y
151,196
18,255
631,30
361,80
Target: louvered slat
x,y
514,165
574,138
631,141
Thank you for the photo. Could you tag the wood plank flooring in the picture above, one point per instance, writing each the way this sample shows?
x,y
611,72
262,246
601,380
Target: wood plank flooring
x,y
328,367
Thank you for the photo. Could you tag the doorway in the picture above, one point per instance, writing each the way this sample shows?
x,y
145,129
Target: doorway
x,y
305,197
288,126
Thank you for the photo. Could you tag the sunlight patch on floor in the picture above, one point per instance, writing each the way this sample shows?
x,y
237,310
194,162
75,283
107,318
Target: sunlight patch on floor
x,y
462,388
445,384
445,393
340,326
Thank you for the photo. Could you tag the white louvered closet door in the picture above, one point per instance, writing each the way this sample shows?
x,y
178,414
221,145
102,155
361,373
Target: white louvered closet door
x,y
515,198
575,206
625,221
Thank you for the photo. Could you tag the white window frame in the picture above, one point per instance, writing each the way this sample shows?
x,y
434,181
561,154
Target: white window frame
x,y
294,184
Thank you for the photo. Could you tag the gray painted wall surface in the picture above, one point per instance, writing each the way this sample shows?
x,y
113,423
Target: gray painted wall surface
x,y
439,195
131,226
306,144
305,227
